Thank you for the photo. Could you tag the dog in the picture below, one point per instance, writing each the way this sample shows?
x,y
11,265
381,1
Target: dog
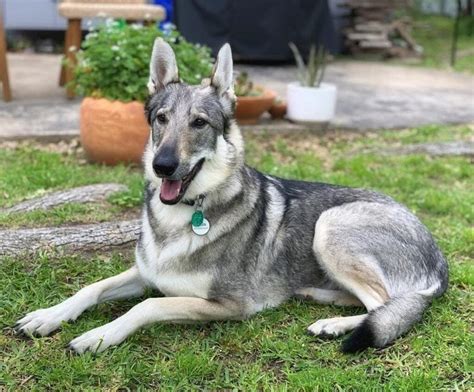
x,y
222,241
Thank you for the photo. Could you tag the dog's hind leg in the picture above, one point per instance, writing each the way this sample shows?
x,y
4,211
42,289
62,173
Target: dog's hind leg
x,y
368,293
383,255
328,297
355,273
44,321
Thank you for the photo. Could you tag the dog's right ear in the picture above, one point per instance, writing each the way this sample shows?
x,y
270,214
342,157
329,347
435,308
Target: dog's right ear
x,y
163,66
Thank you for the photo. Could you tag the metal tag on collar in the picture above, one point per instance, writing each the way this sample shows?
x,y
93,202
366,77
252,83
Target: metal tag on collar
x,y
199,224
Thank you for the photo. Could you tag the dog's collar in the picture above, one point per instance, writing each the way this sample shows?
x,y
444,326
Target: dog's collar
x,y
191,203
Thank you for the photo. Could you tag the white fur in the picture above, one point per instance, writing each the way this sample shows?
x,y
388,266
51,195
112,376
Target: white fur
x,y
147,160
275,211
215,170
162,265
336,326
150,311
328,297
171,217
430,290
44,321
175,284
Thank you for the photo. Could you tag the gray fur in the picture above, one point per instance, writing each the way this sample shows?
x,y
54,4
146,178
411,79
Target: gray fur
x,y
262,247
396,317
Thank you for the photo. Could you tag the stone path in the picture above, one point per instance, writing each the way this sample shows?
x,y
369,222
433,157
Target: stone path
x,y
457,148
371,96
374,95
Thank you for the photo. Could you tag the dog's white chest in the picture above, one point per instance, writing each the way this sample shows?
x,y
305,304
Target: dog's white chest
x,y
174,284
161,266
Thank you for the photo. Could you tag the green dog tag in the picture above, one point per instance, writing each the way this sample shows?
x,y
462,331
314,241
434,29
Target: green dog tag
x,y
199,224
197,218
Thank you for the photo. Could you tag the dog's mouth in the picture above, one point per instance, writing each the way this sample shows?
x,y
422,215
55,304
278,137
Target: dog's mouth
x,y
172,191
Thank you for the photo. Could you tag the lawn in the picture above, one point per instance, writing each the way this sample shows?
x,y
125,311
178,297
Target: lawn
x,y
434,34
271,350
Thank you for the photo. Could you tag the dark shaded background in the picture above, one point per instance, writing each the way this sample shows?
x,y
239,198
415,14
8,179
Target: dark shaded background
x,y
258,30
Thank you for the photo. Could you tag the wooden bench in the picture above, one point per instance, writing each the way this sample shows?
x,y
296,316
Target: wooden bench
x,y
76,10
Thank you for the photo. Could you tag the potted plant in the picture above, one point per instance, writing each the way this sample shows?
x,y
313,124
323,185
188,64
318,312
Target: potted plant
x,y
112,73
252,101
278,109
310,100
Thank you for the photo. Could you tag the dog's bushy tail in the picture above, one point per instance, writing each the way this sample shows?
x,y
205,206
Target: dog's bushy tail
x,y
384,324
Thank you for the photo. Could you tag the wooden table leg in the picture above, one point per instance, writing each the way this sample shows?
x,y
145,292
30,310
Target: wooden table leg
x,y
73,41
7,95
62,75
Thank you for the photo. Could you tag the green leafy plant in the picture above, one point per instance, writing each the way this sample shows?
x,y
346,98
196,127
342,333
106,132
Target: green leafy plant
x,y
114,61
312,73
244,87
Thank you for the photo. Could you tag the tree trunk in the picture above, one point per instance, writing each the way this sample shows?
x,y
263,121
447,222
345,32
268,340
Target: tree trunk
x,y
80,238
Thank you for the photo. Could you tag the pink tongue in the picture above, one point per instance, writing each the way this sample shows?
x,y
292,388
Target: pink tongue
x,y
170,189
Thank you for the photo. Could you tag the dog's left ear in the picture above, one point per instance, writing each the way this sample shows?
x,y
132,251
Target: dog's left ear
x,y
163,66
222,74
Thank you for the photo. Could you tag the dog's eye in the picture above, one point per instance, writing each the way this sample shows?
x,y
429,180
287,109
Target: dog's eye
x,y
161,118
199,122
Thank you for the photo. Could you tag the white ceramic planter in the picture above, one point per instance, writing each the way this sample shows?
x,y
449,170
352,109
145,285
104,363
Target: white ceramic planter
x,y
311,104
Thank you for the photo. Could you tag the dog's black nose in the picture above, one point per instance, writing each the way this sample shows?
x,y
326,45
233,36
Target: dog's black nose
x,y
165,164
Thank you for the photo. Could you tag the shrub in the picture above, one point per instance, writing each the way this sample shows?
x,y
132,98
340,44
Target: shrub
x,y
114,61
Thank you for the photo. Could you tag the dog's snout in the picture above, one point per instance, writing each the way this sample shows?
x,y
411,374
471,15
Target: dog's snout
x,y
165,164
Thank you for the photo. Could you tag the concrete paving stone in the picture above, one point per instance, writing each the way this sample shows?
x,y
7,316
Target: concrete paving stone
x,y
456,148
371,96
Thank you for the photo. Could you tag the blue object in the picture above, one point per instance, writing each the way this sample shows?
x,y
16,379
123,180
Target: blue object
x,y
168,6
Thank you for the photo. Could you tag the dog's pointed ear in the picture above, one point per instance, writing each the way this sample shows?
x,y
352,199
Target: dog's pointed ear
x,y
163,66
222,74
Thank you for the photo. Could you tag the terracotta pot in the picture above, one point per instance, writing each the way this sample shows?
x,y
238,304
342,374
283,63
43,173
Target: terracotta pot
x,y
113,131
278,110
249,109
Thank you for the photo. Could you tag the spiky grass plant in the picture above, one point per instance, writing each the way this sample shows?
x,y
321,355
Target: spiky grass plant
x,y
310,74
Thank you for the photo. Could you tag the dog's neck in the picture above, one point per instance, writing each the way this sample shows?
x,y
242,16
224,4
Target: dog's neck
x,y
193,202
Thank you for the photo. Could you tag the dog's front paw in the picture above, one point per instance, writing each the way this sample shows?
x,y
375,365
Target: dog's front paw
x,y
41,322
98,339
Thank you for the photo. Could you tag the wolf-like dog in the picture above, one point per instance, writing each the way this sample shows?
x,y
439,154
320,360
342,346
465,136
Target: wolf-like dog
x,y
221,240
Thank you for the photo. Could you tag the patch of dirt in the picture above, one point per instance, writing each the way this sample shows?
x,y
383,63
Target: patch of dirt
x,y
82,219
319,144
64,147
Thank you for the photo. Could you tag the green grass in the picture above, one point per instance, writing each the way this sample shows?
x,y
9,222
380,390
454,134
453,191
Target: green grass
x,y
26,173
68,213
271,350
434,34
